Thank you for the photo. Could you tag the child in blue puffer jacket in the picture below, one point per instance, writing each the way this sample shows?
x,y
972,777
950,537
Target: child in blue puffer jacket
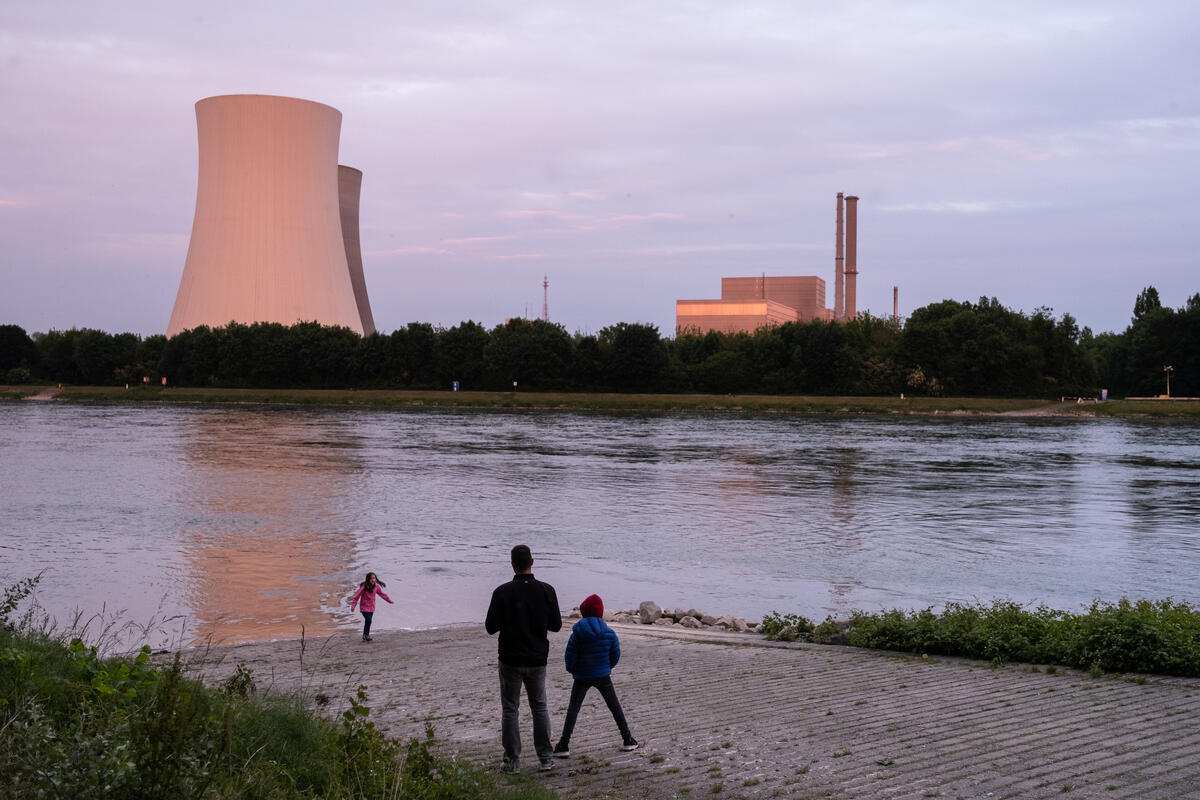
x,y
592,651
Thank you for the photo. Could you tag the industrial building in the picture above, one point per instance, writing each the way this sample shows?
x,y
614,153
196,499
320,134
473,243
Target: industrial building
x,y
748,304
275,236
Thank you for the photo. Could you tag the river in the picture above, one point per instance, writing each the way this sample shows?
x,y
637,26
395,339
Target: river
x,y
233,523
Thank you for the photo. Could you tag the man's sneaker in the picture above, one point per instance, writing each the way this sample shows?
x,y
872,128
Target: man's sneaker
x,y
545,766
561,751
630,743
510,766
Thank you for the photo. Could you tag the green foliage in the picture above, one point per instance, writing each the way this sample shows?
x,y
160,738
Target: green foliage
x,y
1131,363
535,354
786,627
1156,637
13,595
17,353
1147,302
367,755
458,353
74,724
634,355
1161,638
240,684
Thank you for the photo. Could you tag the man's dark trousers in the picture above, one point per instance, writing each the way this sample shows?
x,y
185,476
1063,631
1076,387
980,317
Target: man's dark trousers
x,y
534,681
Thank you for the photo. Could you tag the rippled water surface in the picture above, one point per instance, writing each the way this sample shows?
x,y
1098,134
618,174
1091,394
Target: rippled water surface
x,y
247,522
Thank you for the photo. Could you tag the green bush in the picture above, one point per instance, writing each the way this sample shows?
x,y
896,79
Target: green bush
x,y
786,627
1155,637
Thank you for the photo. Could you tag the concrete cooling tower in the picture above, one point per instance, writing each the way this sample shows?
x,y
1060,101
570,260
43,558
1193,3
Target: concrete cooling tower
x,y
267,239
349,188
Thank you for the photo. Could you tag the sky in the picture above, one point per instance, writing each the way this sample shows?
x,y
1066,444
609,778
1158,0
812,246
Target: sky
x,y
1045,154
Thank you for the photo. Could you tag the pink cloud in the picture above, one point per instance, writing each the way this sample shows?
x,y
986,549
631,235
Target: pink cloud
x,y
532,212
479,239
519,257
411,250
654,215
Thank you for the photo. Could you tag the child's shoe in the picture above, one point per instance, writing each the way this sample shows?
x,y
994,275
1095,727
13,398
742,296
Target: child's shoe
x,y
630,743
561,751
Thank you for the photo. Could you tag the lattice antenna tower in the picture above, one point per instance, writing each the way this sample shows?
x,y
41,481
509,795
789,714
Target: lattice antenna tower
x,y
545,298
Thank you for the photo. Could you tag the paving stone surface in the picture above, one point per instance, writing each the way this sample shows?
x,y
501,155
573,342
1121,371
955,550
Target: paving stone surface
x,y
734,716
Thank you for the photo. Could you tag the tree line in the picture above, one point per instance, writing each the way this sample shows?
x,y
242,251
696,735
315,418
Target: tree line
x,y
946,348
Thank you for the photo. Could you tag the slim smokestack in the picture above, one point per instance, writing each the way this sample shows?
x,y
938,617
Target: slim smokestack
x,y
851,274
896,306
838,263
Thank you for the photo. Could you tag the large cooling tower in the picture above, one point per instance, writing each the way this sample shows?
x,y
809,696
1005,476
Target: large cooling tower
x,y
267,242
349,188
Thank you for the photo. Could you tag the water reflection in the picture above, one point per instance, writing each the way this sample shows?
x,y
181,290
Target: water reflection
x,y
255,521
269,530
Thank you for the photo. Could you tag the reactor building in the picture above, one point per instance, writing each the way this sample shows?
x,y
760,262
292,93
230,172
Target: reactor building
x,y
275,237
748,304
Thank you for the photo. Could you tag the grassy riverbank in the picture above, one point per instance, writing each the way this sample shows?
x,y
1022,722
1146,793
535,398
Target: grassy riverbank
x,y
1136,408
597,401
73,724
534,400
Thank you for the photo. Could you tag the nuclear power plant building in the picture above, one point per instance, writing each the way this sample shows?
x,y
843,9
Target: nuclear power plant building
x,y
747,304
275,236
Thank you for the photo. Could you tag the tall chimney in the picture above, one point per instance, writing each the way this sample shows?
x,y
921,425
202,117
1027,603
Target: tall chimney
x,y
838,263
896,306
851,274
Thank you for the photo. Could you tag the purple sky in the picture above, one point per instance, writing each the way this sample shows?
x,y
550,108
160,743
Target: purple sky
x,y
1042,153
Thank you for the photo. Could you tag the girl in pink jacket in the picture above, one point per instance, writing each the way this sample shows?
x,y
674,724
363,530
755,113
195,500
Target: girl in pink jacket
x,y
364,598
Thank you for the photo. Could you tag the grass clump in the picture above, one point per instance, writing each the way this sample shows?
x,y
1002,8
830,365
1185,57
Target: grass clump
x,y
1143,636
75,724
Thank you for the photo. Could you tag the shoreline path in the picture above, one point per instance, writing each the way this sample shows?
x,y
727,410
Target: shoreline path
x,y
732,715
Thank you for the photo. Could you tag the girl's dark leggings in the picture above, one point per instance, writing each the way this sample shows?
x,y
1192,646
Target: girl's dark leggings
x,y
367,622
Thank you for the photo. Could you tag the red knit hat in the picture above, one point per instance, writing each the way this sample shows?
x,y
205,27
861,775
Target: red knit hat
x,y
592,606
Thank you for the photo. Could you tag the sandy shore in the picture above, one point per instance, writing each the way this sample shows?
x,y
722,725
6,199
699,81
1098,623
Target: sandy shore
x,y
732,715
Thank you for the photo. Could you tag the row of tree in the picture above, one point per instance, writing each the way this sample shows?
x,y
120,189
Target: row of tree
x,y
953,348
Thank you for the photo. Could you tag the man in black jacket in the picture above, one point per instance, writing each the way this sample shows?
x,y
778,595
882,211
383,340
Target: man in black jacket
x,y
522,611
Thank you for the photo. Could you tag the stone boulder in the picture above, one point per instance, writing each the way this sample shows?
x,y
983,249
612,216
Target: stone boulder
x,y
708,619
664,621
689,621
691,612
649,611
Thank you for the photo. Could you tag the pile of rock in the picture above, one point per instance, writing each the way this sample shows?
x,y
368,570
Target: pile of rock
x,y
650,613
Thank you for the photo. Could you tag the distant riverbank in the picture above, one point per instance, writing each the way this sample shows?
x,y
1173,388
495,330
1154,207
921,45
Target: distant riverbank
x,y
585,401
